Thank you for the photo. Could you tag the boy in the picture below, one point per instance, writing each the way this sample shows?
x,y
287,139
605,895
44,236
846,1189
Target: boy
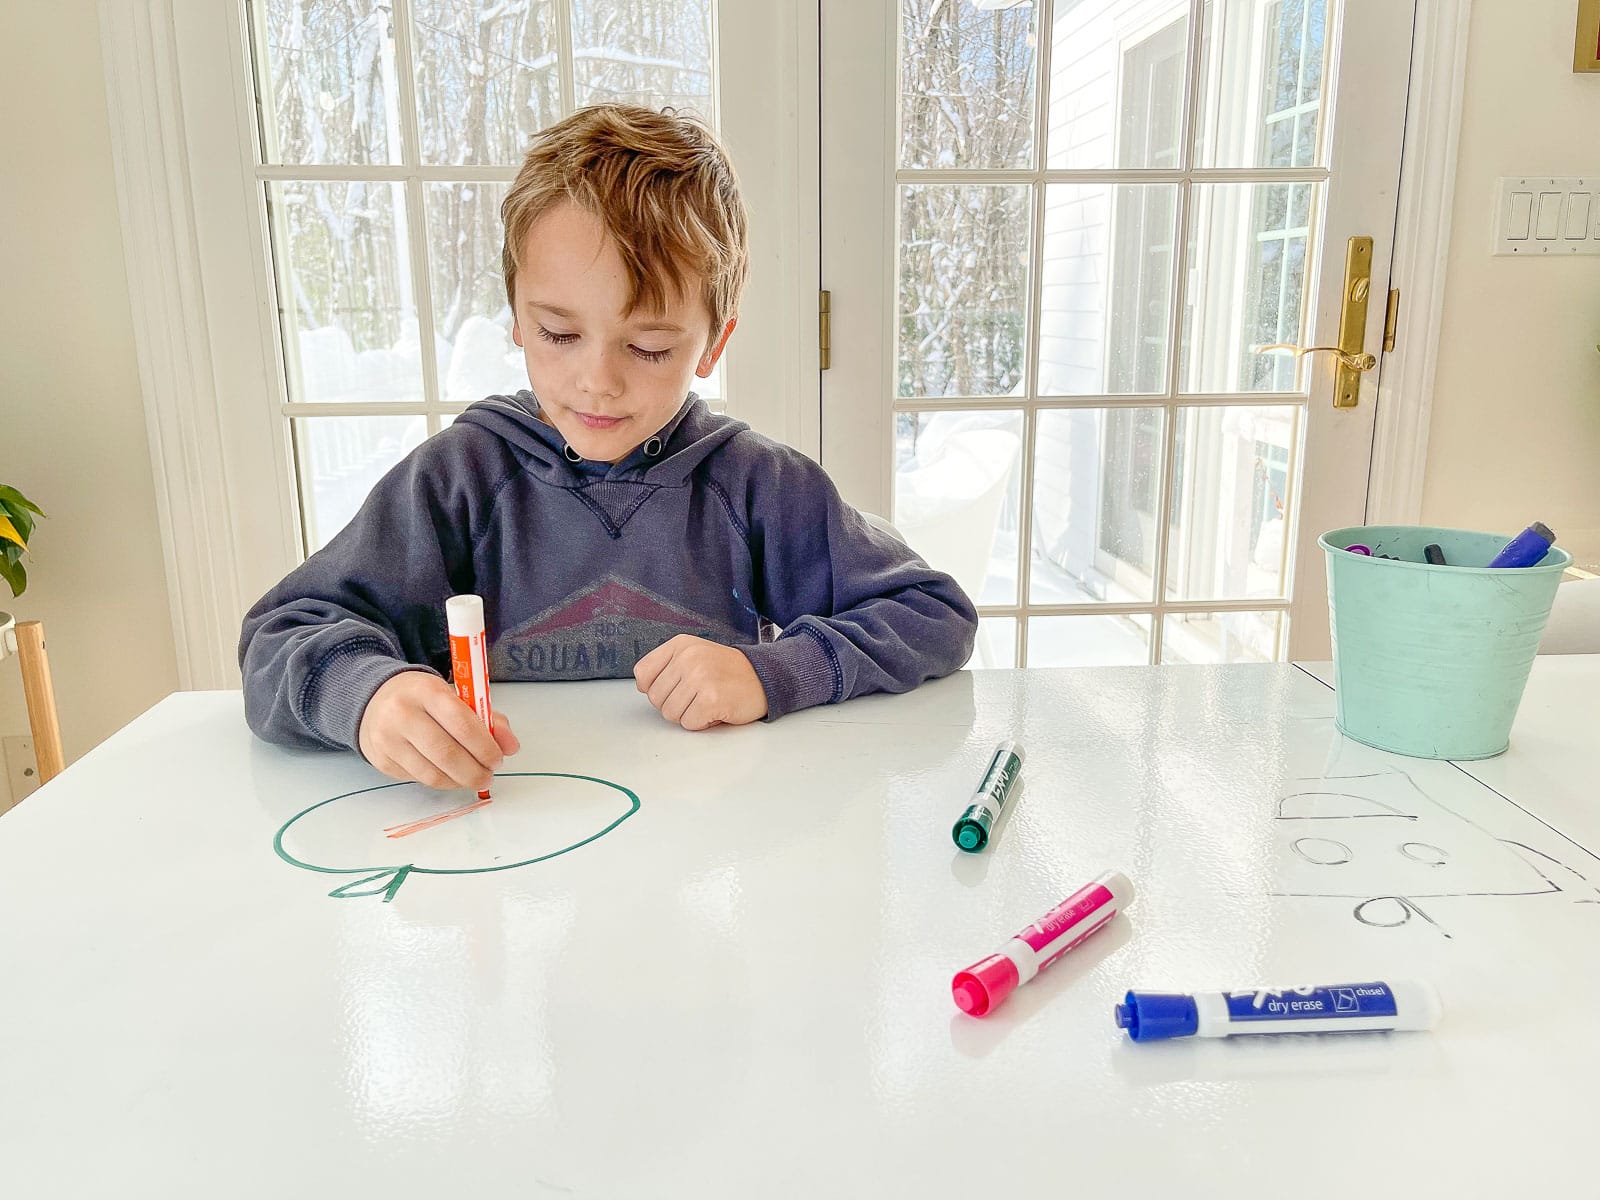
x,y
612,526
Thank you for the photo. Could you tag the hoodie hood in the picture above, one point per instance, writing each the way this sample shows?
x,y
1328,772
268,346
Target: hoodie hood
x,y
666,459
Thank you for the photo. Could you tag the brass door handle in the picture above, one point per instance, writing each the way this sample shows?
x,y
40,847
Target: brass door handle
x,y
1351,350
1355,362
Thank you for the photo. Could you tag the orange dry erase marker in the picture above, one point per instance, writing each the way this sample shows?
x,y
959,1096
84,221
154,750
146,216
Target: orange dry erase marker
x,y
469,658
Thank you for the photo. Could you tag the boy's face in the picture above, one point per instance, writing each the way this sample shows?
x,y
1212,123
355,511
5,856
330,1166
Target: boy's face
x,y
607,379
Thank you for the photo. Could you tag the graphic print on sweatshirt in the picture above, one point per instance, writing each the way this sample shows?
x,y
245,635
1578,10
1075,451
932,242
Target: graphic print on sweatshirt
x,y
599,632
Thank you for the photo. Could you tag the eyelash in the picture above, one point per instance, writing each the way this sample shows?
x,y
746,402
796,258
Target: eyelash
x,y
561,339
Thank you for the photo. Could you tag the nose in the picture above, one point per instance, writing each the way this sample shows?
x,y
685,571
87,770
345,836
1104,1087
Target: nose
x,y
600,374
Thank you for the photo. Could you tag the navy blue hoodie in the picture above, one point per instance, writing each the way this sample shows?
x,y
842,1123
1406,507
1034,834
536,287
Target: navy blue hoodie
x,y
708,529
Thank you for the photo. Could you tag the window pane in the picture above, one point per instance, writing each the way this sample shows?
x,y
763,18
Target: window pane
x,y
1230,484
1228,637
1096,475
1088,641
1261,84
966,84
339,459
325,77
476,355
643,52
487,78
1107,299
1248,257
1116,84
996,645
344,291
963,289
956,493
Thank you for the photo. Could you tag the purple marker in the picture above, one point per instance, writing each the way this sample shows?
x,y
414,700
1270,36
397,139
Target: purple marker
x,y
1358,548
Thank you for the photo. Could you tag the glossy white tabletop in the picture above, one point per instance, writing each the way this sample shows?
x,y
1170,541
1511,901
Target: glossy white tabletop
x,y
742,989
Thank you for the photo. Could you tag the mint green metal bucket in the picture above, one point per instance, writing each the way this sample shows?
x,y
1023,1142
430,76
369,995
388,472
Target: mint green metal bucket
x,y
1431,661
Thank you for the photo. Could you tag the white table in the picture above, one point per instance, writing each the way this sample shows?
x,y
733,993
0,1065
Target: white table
x,y
743,988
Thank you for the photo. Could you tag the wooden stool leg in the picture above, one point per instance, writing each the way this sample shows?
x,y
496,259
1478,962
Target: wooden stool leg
x,y
41,696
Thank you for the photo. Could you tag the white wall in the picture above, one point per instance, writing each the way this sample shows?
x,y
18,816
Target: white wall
x,y
72,431
1515,435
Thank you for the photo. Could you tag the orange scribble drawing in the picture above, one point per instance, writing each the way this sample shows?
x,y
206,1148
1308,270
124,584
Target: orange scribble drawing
x,y
400,831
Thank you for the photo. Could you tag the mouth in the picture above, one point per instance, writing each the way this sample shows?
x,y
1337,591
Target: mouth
x,y
591,421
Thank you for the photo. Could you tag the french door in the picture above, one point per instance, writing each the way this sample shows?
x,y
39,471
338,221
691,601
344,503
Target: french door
x,y
1059,238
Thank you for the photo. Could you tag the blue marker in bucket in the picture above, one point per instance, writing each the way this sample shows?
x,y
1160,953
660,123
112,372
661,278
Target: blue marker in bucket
x,y
1528,547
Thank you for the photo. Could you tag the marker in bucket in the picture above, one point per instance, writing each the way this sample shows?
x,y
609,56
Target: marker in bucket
x,y
971,831
1339,1008
469,658
1527,548
983,987
1434,555
1366,552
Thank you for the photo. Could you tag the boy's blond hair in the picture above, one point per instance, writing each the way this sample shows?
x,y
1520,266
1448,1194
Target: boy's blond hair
x,y
664,189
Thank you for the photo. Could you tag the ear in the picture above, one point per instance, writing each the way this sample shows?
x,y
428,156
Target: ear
x,y
516,333
708,360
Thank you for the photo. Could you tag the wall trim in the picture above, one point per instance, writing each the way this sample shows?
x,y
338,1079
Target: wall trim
x,y
1421,254
172,337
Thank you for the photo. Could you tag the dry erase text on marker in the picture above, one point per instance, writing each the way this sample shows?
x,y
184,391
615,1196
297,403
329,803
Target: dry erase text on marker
x,y
1307,1000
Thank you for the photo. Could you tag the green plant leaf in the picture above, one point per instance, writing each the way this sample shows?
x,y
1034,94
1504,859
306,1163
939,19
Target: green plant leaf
x,y
20,517
11,496
8,531
14,573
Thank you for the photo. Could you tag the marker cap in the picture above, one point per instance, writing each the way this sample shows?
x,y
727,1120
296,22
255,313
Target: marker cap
x,y
972,834
985,985
1152,1016
464,615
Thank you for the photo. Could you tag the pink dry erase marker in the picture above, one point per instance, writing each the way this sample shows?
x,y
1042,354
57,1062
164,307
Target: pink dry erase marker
x,y
983,987
469,658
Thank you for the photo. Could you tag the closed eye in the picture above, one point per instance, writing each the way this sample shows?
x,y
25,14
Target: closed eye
x,y
562,339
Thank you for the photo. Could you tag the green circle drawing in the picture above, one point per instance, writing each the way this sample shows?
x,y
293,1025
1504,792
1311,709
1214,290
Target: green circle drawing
x,y
386,881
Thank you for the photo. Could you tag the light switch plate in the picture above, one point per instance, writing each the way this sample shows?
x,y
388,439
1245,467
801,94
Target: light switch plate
x,y
1539,216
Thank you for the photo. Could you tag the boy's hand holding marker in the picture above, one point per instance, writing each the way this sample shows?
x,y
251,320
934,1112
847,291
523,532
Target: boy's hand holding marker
x,y
416,728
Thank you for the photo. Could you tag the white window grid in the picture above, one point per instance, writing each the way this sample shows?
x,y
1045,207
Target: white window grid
x,y
1174,398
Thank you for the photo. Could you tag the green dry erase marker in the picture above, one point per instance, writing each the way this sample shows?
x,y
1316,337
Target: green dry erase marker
x,y
972,830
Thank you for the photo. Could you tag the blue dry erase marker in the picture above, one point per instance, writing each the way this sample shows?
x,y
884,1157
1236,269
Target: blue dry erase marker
x,y
1527,548
971,832
1338,1008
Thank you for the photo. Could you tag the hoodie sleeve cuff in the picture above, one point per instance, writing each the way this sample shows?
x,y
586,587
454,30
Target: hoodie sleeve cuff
x,y
797,671
338,691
